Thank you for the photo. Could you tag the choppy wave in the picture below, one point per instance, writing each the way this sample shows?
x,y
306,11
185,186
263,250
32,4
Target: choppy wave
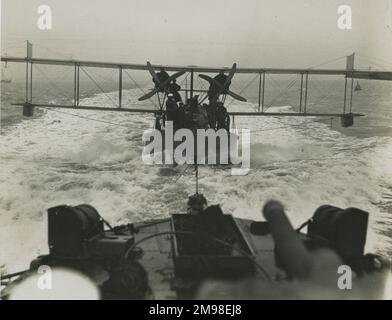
x,y
62,159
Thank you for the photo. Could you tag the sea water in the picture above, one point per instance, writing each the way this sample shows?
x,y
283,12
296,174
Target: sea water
x,y
73,157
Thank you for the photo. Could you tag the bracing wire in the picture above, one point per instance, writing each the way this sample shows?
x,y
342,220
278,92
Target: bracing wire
x,y
86,118
98,86
325,96
182,174
244,88
283,91
72,114
204,94
55,52
60,91
372,59
326,62
291,84
140,88
108,78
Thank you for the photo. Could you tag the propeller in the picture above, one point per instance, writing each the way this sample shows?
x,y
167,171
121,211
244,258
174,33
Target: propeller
x,y
161,85
230,76
225,84
152,72
223,88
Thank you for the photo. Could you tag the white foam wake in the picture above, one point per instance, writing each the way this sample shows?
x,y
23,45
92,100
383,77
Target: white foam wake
x,y
62,159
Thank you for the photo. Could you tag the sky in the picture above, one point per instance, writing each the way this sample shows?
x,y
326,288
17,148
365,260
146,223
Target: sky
x,y
254,33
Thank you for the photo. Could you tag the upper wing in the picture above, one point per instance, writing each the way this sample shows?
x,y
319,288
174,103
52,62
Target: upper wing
x,y
373,75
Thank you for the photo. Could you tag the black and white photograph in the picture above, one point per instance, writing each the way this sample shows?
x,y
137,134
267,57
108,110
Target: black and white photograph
x,y
210,150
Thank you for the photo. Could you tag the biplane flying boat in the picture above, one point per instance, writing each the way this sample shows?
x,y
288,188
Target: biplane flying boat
x,y
216,94
204,243
190,112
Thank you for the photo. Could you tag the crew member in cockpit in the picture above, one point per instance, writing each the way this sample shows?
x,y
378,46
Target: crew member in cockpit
x,y
199,114
222,117
172,111
174,89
